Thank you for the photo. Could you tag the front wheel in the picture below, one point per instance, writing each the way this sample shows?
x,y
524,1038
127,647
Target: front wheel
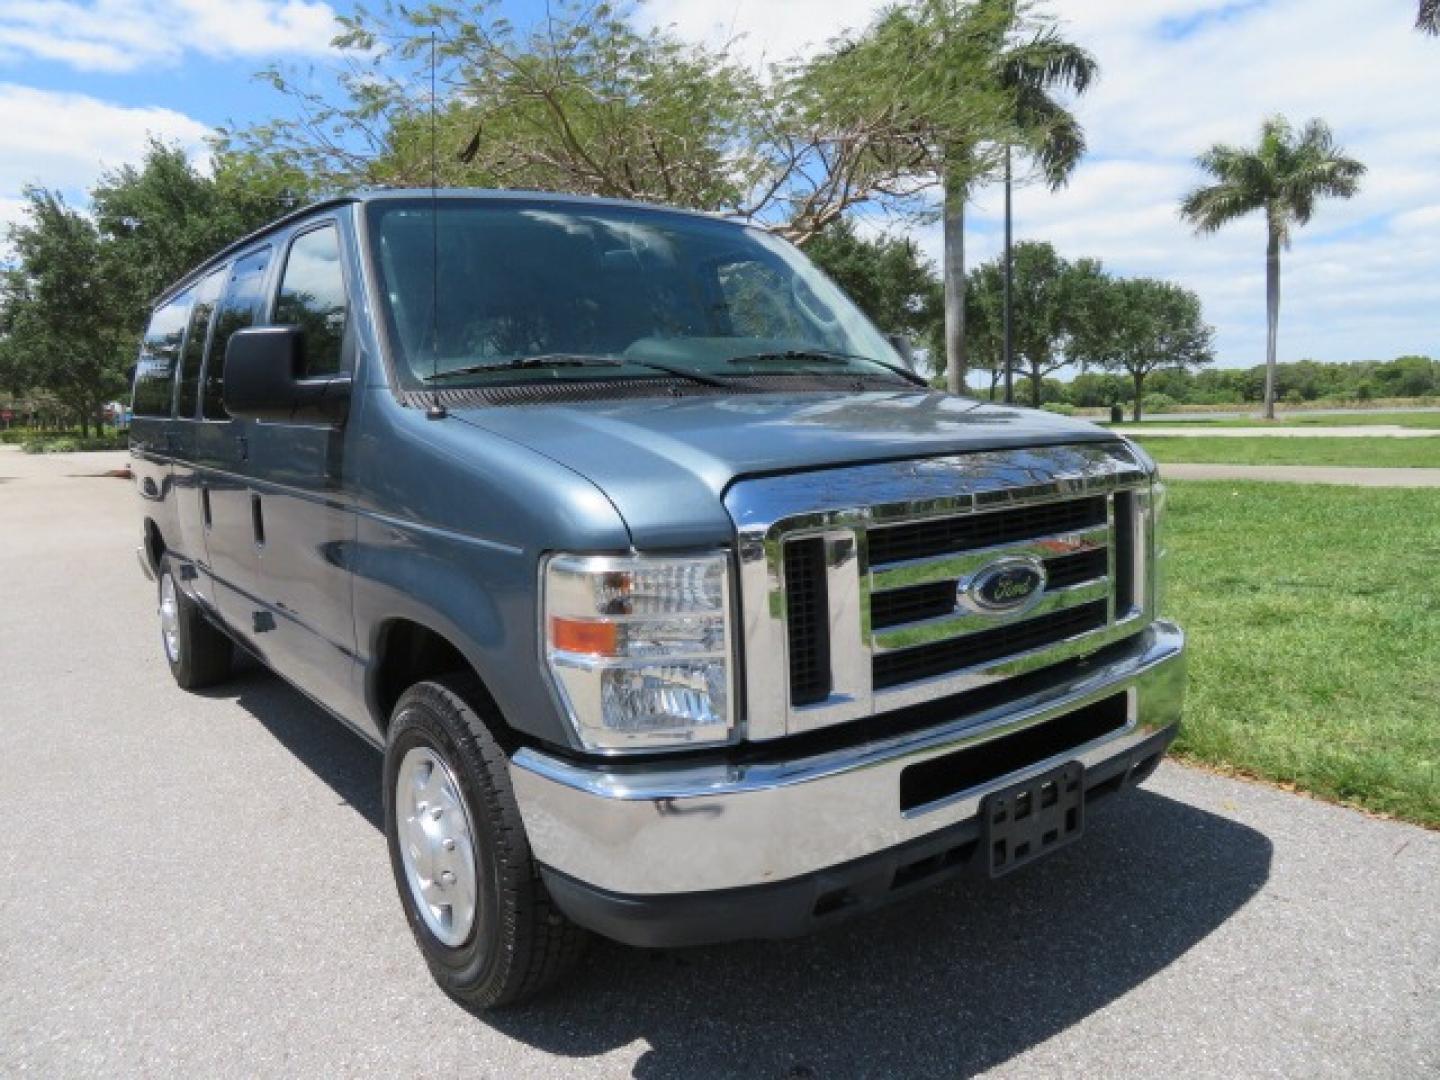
x,y
198,653
471,890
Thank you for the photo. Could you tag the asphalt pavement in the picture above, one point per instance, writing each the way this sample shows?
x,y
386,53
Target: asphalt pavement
x,y
197,885
1345,475
1203,431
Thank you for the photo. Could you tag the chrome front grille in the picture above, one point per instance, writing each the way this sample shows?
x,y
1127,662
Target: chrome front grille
x,y
985,645
852,608
918,630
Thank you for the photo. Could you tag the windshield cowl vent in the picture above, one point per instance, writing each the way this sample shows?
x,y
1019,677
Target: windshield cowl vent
x,y
590,389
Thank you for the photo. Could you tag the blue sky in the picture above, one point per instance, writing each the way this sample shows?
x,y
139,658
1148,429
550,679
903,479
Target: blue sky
x,y
83,81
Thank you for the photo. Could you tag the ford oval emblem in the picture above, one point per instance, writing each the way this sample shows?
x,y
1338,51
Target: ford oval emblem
x,y
1006,586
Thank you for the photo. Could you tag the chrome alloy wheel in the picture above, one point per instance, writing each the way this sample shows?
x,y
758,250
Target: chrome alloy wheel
x,y
170,618
435,845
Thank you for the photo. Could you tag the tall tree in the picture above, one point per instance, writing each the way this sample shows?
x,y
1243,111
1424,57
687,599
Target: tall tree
x,y
1427,19
1283,176
964,80
1141,326
984,325
166,216
76,295
888,278
1053,304
64,308
582,103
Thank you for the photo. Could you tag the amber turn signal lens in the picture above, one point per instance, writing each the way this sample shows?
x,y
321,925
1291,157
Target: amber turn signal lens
x,y
584,636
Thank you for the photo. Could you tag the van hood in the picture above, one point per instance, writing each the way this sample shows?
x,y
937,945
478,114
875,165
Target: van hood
x,y
666,463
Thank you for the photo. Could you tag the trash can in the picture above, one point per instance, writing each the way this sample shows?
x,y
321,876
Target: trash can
x,y
1117,413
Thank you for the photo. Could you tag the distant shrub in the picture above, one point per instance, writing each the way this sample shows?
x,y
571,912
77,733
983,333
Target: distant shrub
x,y
70,444
1153,403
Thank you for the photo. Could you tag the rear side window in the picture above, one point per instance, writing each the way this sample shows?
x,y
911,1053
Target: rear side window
x,y
159,354
244,293
193,356
312,297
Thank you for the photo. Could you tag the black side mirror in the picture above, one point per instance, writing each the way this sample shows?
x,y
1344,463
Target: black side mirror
x,y
262,381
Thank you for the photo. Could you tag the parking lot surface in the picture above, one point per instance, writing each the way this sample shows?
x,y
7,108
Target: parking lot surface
x,y
197,885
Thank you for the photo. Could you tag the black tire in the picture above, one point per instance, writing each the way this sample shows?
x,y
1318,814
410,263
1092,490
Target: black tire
x,y
203,654
520,942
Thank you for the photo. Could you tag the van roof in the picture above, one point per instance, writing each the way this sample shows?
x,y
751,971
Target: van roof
x,y
367,195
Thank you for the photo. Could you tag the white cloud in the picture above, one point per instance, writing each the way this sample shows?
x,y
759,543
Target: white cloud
x,y
64,140
1361,281
128,35
10,213
761,30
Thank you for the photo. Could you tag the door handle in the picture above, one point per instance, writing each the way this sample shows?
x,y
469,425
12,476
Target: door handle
x,y
257,520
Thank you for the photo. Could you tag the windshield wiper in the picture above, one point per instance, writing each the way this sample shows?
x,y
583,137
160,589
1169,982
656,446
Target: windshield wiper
x,y
825,356
575,360
549,360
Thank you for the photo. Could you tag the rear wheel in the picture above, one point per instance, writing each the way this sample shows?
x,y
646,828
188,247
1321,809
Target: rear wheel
x,y
471,890
198,653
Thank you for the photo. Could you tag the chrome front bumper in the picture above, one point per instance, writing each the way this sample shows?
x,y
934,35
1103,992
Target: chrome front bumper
x,y
690,829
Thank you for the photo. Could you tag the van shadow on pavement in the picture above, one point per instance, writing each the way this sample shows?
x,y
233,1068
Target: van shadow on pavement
x,y
950,983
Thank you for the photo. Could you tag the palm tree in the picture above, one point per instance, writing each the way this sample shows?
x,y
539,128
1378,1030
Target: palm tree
x,y
940,89
1283,176
1028,61
1428,19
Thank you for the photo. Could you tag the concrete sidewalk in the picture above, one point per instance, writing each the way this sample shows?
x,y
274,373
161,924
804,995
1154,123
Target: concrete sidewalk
x,y
1307,474
197,885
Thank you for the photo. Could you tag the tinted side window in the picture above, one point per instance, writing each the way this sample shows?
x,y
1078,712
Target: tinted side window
x,y
240,308
155,370
312,297
193,356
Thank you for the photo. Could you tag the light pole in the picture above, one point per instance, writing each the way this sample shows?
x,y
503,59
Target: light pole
x,y
1009,336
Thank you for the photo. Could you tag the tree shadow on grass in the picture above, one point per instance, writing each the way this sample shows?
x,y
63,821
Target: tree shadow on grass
x,y
950,983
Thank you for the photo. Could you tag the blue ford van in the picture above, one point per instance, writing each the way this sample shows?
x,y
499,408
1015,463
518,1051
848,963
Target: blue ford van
x,y
680,608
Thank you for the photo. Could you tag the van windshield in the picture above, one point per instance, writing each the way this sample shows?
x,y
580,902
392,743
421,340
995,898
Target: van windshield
x,y
550,290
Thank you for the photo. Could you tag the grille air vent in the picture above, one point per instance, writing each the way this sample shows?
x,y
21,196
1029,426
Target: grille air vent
x,y
807,611
939,778
1066,570
922,661
1124,552
896,543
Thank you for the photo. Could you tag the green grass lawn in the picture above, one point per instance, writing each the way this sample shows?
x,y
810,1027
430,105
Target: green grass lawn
x,y
1276,450
1314,622
1399,419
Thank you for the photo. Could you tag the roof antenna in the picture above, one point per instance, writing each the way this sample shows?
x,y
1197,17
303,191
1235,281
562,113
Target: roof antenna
x,y
436,411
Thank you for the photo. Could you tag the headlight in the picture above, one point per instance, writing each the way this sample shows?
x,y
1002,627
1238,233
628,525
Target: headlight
x,y
639,648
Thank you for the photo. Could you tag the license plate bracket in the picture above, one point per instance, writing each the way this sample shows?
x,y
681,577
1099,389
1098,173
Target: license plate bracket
x,y
1033,818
